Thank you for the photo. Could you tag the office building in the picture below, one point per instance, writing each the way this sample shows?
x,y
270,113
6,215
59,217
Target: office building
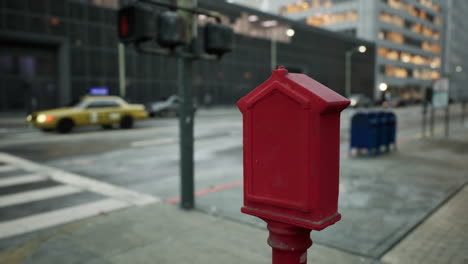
x,y
53,51
456,52
408,35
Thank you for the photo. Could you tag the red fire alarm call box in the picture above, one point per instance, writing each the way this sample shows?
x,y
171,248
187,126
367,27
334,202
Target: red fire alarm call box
x,y
291,150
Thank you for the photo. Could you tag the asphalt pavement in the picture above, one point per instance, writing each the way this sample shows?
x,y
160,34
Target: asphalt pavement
x,y
382,199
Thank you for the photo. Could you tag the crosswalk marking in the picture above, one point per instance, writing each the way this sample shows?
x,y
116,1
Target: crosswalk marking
x,y
114,197
57,217
37,195
85,183
102,188
7,168
22,179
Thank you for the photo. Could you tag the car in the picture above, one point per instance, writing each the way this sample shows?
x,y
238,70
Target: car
x,y
360,100
394,102
165,107
90,110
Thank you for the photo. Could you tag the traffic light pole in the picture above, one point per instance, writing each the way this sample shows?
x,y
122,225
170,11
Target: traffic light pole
x,y
122,80
184,81
132,29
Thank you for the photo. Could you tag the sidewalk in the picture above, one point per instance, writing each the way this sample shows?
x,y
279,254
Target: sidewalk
x,y
158,233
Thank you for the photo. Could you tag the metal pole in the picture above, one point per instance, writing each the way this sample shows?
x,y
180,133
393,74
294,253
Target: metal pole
x,y
463,113
289,243
122,80
447,120
424,112
431,120
273,55
184,81
348,74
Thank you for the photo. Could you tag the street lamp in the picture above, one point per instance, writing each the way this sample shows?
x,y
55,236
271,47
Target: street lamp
x,y
383,87
273,53
290,32
348,54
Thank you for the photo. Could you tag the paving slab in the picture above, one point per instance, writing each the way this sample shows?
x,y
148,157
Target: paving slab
x,y
158,233
442,238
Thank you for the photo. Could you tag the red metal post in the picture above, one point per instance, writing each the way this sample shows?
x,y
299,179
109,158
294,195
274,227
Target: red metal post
x,y
291,160
289,243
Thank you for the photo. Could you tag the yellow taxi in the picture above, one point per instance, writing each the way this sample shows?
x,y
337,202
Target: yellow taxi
x,y
90,110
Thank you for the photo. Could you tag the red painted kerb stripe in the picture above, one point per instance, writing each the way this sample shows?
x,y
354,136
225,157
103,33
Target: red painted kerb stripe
x,y
210,190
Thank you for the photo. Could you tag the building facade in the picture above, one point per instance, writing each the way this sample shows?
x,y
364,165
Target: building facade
x,y
53,51
456,52
408,35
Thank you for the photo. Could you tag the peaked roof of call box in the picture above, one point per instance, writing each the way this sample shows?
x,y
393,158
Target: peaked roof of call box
x,y
301,88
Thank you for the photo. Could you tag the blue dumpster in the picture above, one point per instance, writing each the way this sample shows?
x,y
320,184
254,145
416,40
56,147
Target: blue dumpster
x,y
392,123
376,129
383,130
364,132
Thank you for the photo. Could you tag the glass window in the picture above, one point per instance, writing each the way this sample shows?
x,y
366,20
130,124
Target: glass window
x,y
103,104
7,64
327,19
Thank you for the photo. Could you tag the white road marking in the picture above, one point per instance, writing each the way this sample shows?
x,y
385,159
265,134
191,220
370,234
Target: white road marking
x,y
57,217
38,137
102,188
37,195
22,179
7,168
153,142
81,182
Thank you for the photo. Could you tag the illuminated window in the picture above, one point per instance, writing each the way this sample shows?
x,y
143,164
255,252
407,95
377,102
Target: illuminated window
x,y
396,72
382,52
392,19
406,57
435,48
429,4
419,60
304,5
412,10
425,74
435,62
395,37
319,20
392,55
414,27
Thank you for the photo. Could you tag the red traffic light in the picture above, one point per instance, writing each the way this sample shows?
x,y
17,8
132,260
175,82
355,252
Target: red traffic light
x,y
133,24
123,26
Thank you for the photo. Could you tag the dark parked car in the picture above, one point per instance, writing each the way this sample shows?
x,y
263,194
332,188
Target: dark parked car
x,y
166,107
394,102
360,100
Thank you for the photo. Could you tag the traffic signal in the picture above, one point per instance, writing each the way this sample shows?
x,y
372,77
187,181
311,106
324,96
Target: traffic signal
x,y
218,39
171,29
133,24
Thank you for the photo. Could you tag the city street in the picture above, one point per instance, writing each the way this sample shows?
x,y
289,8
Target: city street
x,y
121,138
93,171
